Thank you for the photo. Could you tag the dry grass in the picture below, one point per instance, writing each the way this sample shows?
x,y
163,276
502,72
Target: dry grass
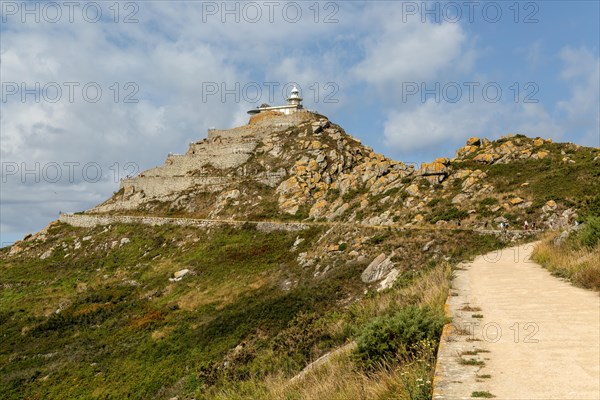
x,y
336,380
339,377
221,294
579,264
430,289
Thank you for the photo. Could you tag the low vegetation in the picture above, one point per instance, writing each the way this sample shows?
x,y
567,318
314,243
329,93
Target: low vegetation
x,y
482,394
472,361
577,257
398,335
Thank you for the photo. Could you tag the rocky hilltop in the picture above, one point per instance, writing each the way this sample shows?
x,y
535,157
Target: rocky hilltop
x,y
304,167
296,161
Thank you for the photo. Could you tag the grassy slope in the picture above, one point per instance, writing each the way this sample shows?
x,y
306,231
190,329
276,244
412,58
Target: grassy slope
x,y
94,341
125,330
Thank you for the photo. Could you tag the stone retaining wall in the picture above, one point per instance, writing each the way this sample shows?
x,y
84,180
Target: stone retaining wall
x,y
157,186
90,221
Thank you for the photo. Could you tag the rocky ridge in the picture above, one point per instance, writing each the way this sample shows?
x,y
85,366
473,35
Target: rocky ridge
x,y
304,167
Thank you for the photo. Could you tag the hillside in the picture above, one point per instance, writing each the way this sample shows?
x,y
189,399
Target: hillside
x,y
359,246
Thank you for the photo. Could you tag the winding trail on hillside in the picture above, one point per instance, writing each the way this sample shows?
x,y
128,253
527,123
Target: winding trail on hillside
x,y
517,332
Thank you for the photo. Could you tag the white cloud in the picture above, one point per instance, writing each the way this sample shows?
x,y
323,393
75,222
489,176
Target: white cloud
x,y
430,128
582,73
411,51
169,113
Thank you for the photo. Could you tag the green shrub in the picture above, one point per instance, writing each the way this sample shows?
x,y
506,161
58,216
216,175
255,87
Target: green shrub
x,y
448,214
333,194
483,394
302,338
489,201
353,193
594,206
590,232
391,192
378,239
433,202
388,337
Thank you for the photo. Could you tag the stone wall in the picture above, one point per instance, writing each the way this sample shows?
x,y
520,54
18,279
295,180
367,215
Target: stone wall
x,y
278,120
158,186
218,153
222,150
91,221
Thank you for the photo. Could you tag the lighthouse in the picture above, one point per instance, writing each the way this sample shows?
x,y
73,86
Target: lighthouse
x,y
295,99
294,104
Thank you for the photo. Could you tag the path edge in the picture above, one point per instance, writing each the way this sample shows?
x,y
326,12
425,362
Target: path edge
x,y
439,377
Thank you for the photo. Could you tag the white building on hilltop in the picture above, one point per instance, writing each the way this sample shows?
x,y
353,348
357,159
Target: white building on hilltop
x,y
294,105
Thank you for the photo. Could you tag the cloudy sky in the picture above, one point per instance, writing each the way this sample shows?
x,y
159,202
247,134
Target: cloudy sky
x,y
95,91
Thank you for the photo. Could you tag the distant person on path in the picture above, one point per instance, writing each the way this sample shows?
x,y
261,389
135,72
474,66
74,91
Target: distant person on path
x,y
526,225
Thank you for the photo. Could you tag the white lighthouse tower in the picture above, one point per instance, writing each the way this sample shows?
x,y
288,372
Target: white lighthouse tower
x,y
295,99
294,104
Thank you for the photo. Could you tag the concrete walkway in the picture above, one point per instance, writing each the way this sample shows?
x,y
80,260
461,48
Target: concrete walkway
x,y
518,333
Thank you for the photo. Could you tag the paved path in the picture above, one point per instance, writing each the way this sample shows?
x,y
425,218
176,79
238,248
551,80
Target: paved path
x,y
540,335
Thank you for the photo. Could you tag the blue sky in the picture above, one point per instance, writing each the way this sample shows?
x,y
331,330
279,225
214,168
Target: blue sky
x,y
366,56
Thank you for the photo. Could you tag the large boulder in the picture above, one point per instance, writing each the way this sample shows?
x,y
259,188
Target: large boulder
x,y
378,268
486,158
318,209
436,171
413,190
549,206
389,280
474,141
